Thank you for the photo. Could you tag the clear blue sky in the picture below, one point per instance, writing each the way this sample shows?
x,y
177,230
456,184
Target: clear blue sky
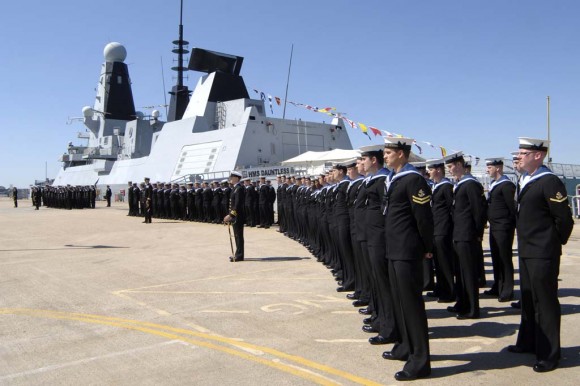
x,y
469,75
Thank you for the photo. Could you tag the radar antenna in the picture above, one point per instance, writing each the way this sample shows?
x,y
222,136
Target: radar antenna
x,y
179,93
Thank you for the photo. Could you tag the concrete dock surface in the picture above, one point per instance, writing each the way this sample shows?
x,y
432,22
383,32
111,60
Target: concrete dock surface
x,y
94,297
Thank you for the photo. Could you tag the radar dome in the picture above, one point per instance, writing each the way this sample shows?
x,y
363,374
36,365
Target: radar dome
x,y
155,114
115,52
87,112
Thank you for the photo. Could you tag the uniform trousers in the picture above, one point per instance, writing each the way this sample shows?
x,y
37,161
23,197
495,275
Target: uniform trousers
x,y
467,277
238,227
541,314
500,242
444,270
384,300
406,278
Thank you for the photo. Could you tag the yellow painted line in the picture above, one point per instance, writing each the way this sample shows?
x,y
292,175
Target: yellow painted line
x,y
213,293
144,327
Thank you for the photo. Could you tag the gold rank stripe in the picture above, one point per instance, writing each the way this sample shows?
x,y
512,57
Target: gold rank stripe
x,y
559,200
421,201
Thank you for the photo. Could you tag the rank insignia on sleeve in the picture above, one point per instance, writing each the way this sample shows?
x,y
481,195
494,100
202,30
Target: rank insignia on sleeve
x,y
559,198
421,198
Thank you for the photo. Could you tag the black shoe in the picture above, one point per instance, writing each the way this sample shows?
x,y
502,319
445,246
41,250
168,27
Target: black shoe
x,y
352,296
368,320
516,305
369,329
505,299
407,376
443,300
233,259
545,366
379,339
432,294
360,303
468,316
453,309
344,289
389,356
364,311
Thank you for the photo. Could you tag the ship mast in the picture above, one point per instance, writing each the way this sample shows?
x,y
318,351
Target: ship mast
x,y
179,93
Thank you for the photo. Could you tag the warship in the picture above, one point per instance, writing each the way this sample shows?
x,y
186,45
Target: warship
x,y
207,133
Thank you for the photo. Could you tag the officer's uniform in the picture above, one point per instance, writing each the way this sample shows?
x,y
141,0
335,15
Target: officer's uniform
x,y
236,211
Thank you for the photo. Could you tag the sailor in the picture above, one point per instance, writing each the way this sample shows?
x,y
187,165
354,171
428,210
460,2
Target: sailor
x,y
142,200
198,201
183,203
280,192
136,200
235,215
501,213
249,202
409,239
544,224
93,196
175,202
167,201
264,203
225,202
207,197
148,200
342,221
374,224
108,195
469,220
355,175
160,211
271,201
442,208
130,198
154,204
190,201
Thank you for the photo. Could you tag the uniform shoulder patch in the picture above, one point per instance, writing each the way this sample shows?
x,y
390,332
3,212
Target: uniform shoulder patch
x,y
421,197
558,198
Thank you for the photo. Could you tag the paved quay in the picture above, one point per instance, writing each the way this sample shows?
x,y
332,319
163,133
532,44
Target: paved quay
x,y
97,297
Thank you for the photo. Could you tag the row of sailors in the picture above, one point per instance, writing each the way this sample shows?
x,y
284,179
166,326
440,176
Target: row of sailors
x,y
202,201
386,233
64,197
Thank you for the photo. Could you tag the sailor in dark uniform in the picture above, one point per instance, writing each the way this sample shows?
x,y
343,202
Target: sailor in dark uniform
x,y
225,203
544,224
409,240
108,195
148,200
361,290
198,201
442,207
190,201
249,202
374,224
235,215
501,213
207,196
216,203
271,201
469,220
15,196
263,203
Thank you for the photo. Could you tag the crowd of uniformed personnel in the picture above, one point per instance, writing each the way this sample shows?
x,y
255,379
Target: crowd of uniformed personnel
x,y
206,201
64,197
388,235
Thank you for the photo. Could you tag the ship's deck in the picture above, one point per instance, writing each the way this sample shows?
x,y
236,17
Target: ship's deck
x,y
96,297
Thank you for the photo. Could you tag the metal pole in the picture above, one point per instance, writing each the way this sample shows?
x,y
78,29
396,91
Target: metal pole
x,y
298,135
548,124
287,82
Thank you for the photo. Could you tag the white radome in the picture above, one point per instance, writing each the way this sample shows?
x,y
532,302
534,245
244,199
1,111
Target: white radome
x,y
115,52
87,112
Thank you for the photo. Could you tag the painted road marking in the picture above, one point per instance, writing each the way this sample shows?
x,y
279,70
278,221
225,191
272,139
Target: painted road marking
x,y
45,369
169,332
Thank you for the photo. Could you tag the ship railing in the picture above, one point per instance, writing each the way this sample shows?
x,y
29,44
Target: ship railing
x,y
201,177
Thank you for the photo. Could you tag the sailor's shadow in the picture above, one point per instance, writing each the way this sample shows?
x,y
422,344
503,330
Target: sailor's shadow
x,y
481,329
275,259
68,247
483,361
485,312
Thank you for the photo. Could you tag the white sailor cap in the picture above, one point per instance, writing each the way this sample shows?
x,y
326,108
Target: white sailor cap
x,y
246,179
398,143
434,163
534,144
224,181
371,150
348,163
494,161
515,156
419,165
234,173
468,160
453,157
147,178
